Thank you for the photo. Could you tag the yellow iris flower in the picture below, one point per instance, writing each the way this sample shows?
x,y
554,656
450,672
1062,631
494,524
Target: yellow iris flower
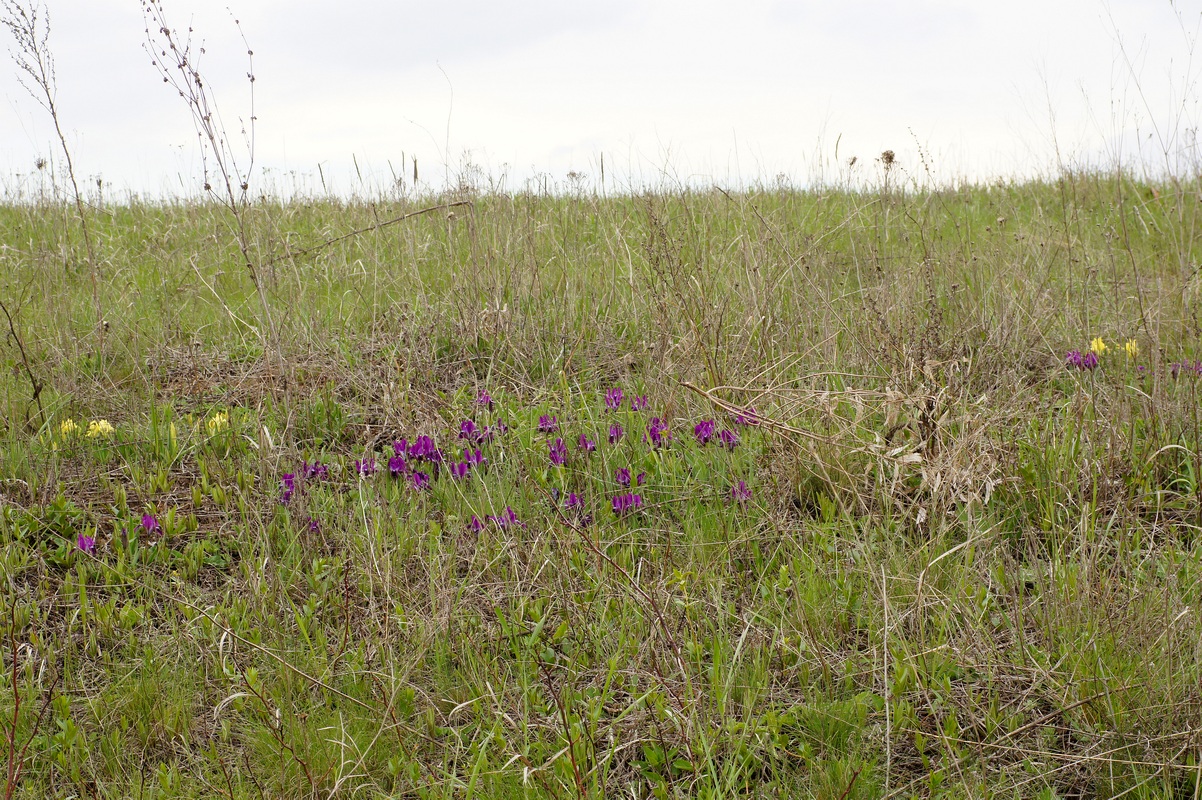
x,y
99,427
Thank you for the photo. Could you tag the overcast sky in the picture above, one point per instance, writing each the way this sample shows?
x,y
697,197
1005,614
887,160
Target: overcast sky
x,y
692,92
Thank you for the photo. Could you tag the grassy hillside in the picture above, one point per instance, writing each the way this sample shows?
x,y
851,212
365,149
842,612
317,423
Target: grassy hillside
x,y
873,532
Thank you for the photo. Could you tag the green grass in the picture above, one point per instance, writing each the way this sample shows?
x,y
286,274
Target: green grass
x,y
965,570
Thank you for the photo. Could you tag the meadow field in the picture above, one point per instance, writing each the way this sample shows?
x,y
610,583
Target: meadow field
x,y
772,493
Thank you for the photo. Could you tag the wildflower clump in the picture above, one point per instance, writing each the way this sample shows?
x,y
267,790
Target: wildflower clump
x,y
1087,361
1178,368
657,433
739,493
315,471
565,463
99,429
217,423
506,519
151,526
573,506
68,428
624,504
287,487
747,418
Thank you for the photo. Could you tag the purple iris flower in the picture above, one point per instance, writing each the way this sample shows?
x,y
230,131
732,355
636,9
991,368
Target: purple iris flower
x,y
400,447
468,430
704,431
288,484
640,479
728,439
474,457
1178,367
506,518
315,471
639,403
625,503
423,449
558,452
747,418
615,433
483,399
476,524
575,503
86,543
1089,360
151,525
397,466
500,427
740,494
613,399
419,480
622,476
314,526
365,467
586,444
657,433
548,424
460,470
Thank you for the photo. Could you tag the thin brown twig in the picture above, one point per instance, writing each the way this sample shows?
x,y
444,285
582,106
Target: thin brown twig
x,y
648,599
851,783
35,384
567,728
277,731
16,761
